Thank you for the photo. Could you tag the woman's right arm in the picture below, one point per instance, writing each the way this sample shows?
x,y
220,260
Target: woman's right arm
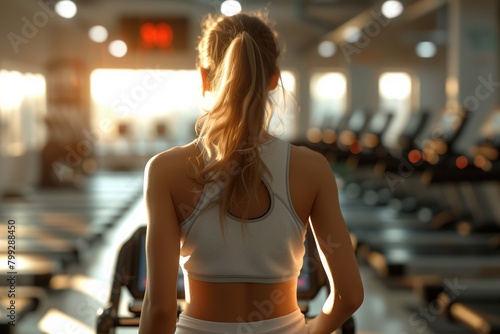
x,y
159,308
336,252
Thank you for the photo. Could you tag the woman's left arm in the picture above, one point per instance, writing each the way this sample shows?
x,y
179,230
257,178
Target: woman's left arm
x,y
159,308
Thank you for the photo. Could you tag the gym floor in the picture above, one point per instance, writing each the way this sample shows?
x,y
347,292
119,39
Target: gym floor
x,y
72,305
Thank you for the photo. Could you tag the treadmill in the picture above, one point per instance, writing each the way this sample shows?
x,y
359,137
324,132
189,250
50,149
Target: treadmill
x,y
371,148
63,223
475,303
466,252
403,168
475,253
477,306
53,229
130,273
349,136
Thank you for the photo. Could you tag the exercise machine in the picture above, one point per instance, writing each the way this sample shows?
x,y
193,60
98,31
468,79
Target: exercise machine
x,y
130,273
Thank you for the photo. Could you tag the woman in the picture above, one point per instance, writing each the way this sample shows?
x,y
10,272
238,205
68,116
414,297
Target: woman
x,y
238,202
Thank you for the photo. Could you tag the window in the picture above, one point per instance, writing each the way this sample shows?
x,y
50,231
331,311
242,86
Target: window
x,y
395,92
22,108
138,106
328,99
132,109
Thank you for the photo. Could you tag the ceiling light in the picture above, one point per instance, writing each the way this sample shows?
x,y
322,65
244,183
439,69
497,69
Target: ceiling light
x,y
117,48
230,8
98,34
352,34
66,9
327,49
392,9
426,49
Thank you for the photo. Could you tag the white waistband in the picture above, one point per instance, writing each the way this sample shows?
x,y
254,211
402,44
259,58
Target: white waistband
x,y
293,323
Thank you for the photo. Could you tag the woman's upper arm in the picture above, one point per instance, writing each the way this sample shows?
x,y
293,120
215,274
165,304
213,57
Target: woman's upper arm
x,y
332,235
162,239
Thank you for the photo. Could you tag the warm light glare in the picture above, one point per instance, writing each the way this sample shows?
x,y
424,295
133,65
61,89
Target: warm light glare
x,y
491,128
451,87
352,34
355,147
230,8
433,159
328,91
144,92
31,263
347,138
369,140
395,85
66,9
288,81
414,156
426,49
98,34
327,49
22,103
105,83
90,286
329,136
462,162
143,98
285,109
34,84
54,321
11,89
481,162
329,86
314,135
117,48
392,9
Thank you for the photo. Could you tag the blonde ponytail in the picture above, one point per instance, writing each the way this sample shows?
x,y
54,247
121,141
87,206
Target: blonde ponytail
x,y
240,60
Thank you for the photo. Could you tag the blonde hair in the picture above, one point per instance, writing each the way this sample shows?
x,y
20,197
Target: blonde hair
x,y
239,55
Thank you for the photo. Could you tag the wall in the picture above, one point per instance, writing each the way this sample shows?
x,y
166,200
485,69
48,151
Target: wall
x,y
25,46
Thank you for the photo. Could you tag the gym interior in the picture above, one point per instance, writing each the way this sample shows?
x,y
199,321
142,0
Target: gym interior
x,y
401,96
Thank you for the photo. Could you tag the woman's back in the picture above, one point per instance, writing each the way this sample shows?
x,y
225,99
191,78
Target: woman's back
x,y
242,285
303,171
202,296
314,196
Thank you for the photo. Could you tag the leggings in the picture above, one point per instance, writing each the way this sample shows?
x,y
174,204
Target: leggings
x,y
293,323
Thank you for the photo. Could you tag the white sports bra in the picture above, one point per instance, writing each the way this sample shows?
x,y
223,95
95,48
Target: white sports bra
x,y
268,249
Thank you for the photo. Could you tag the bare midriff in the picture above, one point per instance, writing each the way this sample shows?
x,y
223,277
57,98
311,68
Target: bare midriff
x,y
240,302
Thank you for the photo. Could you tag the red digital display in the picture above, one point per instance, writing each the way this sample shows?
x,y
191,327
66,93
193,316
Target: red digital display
x,y
156,34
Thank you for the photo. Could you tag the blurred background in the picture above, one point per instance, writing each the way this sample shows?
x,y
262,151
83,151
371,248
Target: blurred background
x,y
401,96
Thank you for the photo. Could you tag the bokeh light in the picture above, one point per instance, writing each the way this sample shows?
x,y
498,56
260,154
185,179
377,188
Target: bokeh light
x,y
98,34
230,8
426,49
392,9
327,49
118,48
66,9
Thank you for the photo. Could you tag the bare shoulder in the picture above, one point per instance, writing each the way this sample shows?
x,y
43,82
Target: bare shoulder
x,y
305,152
168,164
309,161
